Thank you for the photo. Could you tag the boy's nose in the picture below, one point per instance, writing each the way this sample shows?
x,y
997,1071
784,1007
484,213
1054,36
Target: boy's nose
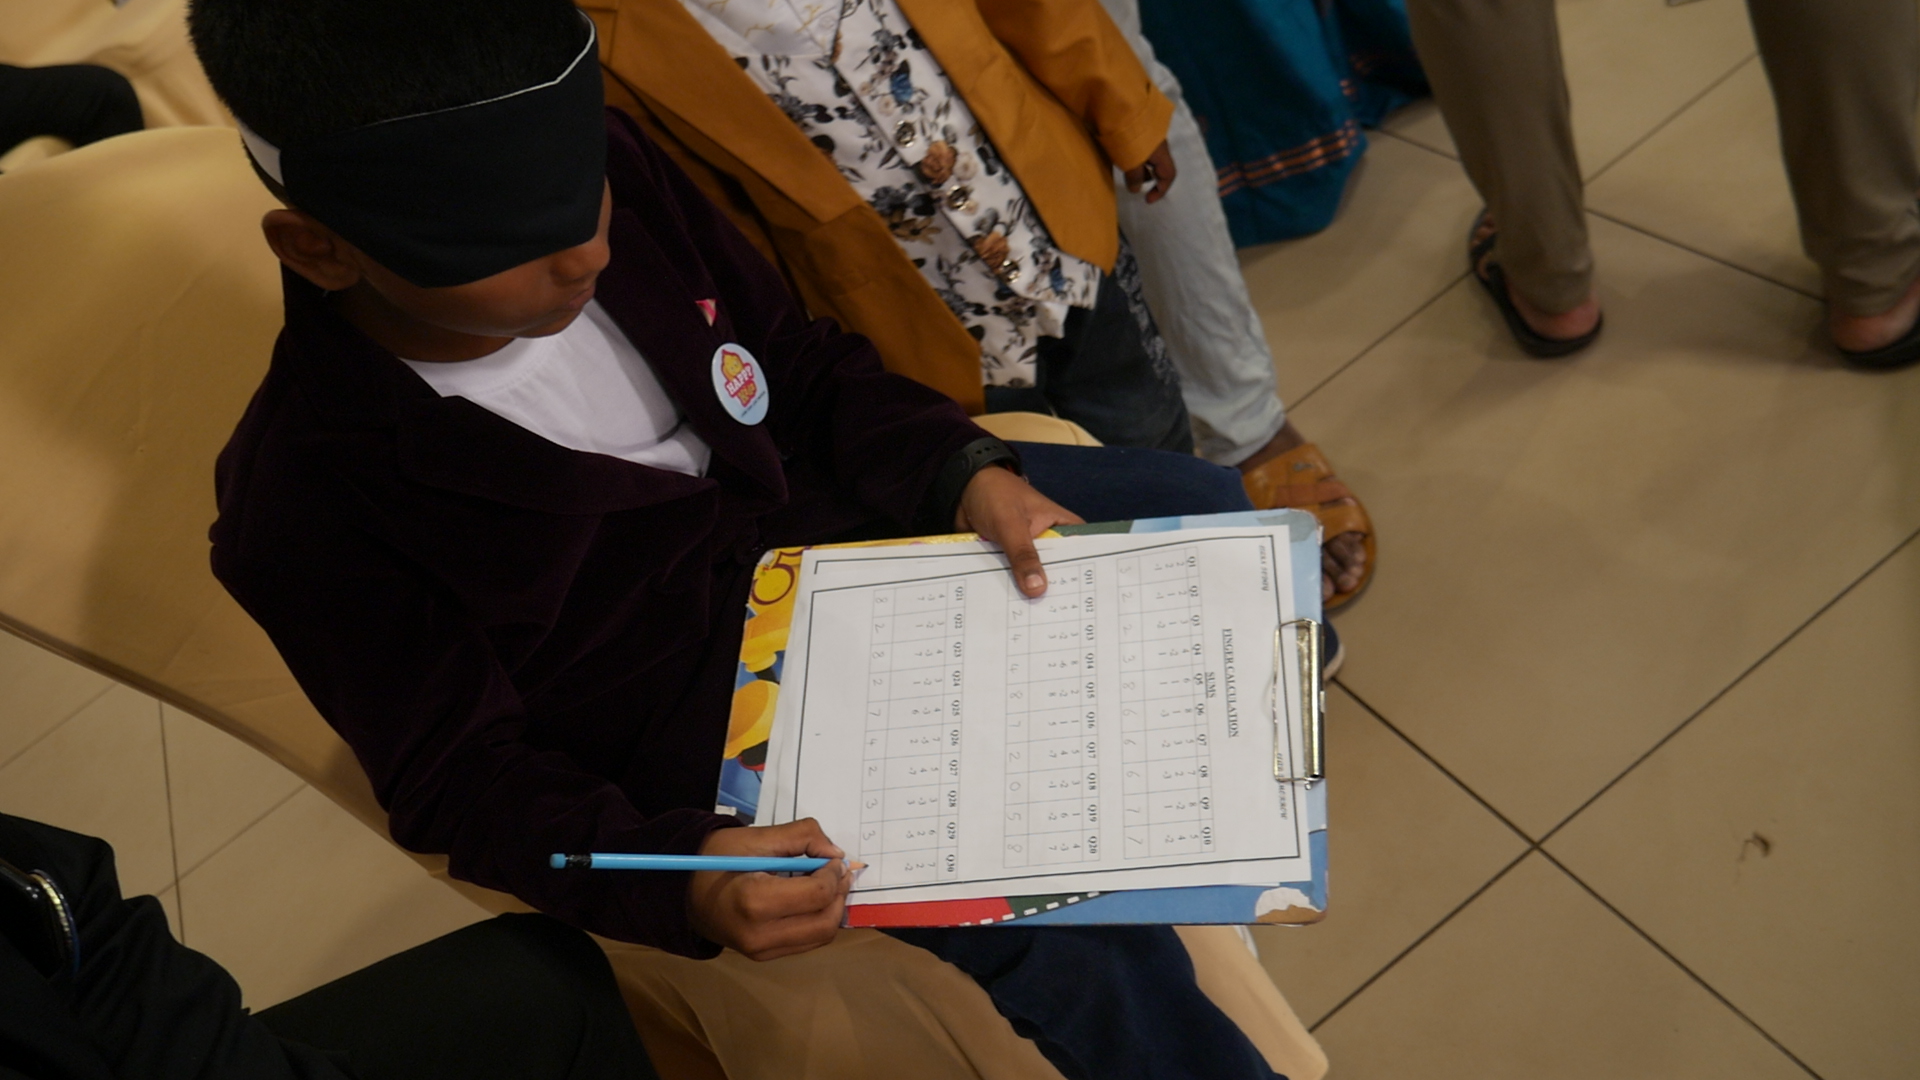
x,y
576,264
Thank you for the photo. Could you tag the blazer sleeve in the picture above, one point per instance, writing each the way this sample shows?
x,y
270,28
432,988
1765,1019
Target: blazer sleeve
x,y
1076,51
400,671
885,436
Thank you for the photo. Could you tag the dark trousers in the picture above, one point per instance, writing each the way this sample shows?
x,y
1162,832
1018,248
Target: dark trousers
x,y
1109,373
1115,483
512,998
1109,1002
520,997
80,103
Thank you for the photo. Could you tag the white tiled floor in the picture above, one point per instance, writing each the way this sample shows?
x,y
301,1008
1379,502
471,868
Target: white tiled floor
x,y
1625,758
254,868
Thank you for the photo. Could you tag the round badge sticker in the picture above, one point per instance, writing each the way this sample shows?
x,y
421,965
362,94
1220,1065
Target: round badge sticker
x,y
740,383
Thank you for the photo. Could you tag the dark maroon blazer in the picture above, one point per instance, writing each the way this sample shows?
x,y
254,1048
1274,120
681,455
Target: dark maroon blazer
x,y
532,649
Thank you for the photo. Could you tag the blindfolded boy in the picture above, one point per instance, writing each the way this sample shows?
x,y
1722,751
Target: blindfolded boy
x,y
535,413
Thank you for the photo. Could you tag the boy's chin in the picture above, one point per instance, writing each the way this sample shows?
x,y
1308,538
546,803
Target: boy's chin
x,y
547,329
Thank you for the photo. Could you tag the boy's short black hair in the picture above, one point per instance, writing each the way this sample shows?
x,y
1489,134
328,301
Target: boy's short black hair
x,y
295,70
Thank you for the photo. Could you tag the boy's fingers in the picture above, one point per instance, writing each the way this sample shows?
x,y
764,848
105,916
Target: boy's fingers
x,y
790,936
767,899
764,938
1024,559
815,839
1047,513
803,837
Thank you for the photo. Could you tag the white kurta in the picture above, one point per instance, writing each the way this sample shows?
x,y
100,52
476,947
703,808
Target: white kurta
x,y
586,388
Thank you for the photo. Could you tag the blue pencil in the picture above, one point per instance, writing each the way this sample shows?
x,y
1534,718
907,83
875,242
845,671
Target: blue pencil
x,y
599,861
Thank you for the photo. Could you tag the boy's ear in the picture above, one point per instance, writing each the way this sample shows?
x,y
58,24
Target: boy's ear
x,y
311,250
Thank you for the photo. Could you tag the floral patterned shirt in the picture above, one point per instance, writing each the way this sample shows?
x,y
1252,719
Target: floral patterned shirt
x,y
857,79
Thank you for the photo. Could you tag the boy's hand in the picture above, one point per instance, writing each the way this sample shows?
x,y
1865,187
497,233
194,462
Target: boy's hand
x,y
764,916
1004,508
1158,168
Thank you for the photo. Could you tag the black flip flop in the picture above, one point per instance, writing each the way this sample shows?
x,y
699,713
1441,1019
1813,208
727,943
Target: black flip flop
x,y
1888,357
1494,280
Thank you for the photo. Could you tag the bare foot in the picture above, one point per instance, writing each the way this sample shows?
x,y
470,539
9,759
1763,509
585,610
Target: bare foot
x,y
1865,333
1560,326
1343,558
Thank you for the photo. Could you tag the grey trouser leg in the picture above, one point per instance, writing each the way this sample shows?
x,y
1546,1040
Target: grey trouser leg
x,y
1496,73
1846,80
1193,285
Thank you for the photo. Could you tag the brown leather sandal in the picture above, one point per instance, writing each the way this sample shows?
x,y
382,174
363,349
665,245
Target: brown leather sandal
x,y
1301,479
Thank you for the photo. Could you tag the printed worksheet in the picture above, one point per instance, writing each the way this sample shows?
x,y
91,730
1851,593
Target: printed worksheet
x,y
1136,727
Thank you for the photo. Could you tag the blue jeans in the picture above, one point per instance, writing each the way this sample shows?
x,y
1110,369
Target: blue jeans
x,y
1109,1002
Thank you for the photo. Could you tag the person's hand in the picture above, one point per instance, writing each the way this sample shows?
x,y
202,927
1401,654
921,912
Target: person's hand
x,y
1004,508
765,916
1158,168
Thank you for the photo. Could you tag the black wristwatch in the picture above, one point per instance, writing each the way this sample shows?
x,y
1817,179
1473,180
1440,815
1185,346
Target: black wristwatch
x,y
937,510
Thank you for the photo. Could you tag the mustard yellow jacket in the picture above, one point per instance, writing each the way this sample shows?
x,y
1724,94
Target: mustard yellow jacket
x,y
1052,82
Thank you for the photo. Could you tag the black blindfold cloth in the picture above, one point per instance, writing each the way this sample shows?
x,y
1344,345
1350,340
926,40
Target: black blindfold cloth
x,y
446,198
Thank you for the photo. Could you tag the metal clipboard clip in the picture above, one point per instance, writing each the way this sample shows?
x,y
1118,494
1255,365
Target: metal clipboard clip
x,y
1313,703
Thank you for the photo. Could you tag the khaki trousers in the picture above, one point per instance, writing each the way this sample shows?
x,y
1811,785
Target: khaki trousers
x,y
1846,81
867,1007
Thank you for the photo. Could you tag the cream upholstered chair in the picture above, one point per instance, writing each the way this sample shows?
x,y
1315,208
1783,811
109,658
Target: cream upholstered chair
x,y
138,307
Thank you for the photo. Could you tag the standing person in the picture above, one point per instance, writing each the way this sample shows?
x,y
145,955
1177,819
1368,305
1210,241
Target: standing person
x,y
1846,78
1192,282
935,176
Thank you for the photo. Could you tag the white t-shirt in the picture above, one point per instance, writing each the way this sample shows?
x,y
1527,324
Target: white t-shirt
x,y
586,388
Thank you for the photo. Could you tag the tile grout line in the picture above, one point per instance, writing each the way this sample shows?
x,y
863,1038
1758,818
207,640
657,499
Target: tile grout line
x,y
173,836
1375,343
1431,760
58,724
1727,689
1417,942
242,831
1670,118
1709,256
1534,846
1457,909
1690,973
1434,150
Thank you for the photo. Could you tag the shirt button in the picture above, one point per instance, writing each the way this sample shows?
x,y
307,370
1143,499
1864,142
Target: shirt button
x,y
960,198
904,133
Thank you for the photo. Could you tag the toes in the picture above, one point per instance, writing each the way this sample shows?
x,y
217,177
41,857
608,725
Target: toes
x,y
1343,562
1350,551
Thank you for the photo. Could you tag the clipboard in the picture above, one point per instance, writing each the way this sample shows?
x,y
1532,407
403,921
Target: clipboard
x,y
762,655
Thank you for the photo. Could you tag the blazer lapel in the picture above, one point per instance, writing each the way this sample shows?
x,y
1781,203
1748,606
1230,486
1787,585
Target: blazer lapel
x,y
652,302
658,49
